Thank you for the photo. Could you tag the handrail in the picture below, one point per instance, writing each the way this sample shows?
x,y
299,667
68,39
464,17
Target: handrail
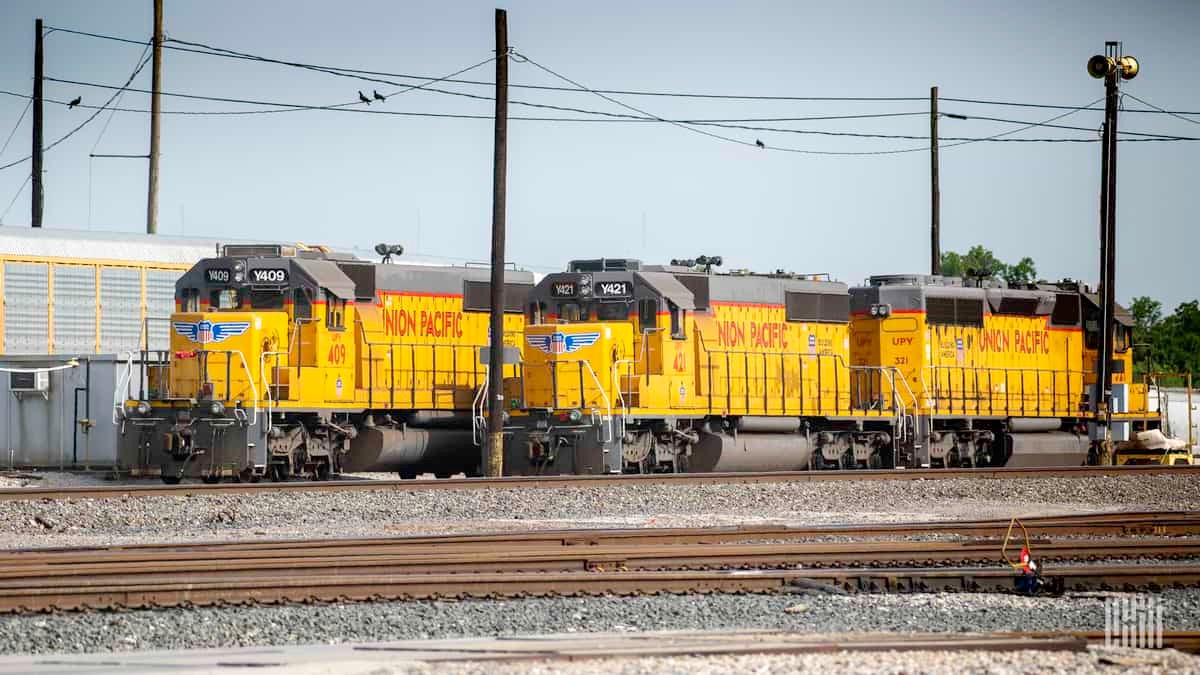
x,y
478,401
122,386
932,397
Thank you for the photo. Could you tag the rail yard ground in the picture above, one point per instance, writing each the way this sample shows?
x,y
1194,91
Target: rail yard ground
x,y
302,514
105,522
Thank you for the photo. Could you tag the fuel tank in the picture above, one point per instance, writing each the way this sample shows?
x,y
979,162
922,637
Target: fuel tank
x,y
750,452
411,450
1055,448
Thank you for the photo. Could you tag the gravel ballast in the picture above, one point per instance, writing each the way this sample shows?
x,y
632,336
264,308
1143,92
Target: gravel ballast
x,y
390,512
384,621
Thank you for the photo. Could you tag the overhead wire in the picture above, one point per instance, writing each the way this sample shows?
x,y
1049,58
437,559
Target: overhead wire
x,y
1177,115
204,49
143,61
14,199
16,126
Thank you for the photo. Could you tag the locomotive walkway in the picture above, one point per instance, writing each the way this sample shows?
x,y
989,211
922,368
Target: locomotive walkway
x,y
964,556
122,491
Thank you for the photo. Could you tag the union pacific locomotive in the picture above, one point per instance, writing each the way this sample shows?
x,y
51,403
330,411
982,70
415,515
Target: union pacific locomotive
x,y
631,367
288,360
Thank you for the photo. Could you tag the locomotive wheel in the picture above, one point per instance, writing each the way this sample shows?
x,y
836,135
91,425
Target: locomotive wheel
x,y
847,461
875,462
171,480
279,472
408,475
442,475
246,475
211,479
323,472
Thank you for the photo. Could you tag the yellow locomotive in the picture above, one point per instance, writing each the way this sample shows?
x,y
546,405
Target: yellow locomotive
x,y
641,368
294,359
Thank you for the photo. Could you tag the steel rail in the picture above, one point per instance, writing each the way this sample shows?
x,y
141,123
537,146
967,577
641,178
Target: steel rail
x,y
689,479
1087,524
236,589
1118,523
214,566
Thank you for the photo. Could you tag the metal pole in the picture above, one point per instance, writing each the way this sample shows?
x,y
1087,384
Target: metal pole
x,y
1108,242
1191,436
35,218
155,110
494,465
935,211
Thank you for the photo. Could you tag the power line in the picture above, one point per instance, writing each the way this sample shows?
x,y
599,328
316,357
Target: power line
x,y
14,199
1062,126
345,108
16,126
207,50
722,123
143,61
1168,112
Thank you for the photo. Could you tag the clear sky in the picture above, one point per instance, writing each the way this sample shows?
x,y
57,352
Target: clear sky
x,y
585,189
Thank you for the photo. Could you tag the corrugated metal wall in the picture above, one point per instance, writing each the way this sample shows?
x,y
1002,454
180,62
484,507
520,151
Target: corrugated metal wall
x,y
53,307
120,310
74,309
26,297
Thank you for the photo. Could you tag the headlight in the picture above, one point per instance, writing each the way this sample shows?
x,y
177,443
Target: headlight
x,y
143,408
575,415
239,277
874,310
217,409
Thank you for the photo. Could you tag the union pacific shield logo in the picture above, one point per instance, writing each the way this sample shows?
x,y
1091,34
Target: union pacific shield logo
x,y
205,331
562,343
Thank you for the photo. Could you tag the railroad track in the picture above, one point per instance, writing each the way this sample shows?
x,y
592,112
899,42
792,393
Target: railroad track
x,y
580,563
158,490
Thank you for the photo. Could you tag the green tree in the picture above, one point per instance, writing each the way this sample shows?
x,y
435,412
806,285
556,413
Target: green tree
x,y
981,262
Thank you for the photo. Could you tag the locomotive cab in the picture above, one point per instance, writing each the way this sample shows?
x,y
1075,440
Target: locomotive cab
x,y
234,357
598,338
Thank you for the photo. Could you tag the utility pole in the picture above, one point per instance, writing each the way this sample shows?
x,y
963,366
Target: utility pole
x,y
35,217
935,197
1112,66
155,110
494,464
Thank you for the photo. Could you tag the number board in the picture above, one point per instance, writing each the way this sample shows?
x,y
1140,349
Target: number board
x,y
562,289
217,275
268,276
613,289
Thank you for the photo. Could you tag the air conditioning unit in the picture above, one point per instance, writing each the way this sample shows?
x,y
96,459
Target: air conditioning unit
x,y
36,381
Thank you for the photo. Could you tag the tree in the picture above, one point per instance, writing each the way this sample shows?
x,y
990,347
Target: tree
x,y
1165,344
981,262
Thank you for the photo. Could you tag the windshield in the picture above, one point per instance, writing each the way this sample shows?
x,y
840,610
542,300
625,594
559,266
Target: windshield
x,y
575,312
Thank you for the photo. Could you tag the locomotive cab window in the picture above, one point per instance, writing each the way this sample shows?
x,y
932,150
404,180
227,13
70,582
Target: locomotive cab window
x,y
225,299
569,312
648,315
267,299
335,309
190,302
537,312
301,304
611,311
1121,339
678,318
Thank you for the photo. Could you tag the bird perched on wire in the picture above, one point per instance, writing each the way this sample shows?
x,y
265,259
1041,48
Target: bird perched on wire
x,y
363,97
760,144
378,96
74,102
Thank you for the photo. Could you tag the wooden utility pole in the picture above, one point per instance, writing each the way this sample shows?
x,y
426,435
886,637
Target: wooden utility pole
x,y
155,110
935,197
494,464
35,217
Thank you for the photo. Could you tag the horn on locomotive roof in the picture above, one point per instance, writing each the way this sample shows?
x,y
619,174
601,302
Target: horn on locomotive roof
x,y
706,261
386,251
